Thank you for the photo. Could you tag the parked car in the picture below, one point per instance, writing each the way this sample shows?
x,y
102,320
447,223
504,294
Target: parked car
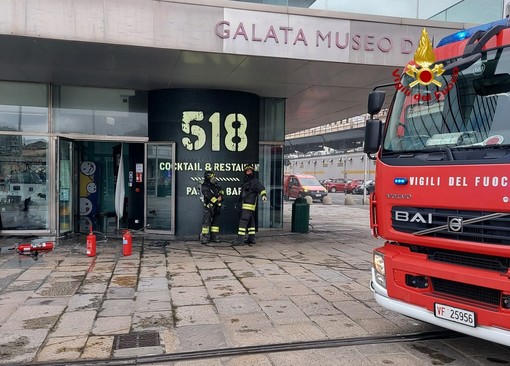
x,y
324,181
351,184
369,187
335,185
300,185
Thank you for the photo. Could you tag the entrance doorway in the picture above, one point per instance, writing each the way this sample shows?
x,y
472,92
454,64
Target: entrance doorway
x,y
91,191
95,178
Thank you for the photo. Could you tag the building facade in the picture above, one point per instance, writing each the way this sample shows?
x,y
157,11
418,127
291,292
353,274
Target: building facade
x,y
111,111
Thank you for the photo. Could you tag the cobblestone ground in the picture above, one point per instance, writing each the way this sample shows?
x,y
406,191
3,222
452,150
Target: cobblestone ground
x,y
175,295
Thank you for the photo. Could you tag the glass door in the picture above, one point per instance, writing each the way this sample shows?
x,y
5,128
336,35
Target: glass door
x,y
64,186
159,187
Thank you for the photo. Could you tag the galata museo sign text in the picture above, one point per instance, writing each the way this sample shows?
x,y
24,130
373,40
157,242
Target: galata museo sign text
x,y
281,34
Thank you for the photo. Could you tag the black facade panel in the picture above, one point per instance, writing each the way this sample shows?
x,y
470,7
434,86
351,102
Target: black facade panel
x,y
213,130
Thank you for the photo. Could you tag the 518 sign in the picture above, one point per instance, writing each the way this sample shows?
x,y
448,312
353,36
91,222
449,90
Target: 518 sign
x,y
235,126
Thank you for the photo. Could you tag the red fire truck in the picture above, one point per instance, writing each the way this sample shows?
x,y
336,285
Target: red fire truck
x,y
442,197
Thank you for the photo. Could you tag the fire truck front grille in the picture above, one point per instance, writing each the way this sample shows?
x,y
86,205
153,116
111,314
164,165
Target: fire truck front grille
x,y
472,260
466,291
473,226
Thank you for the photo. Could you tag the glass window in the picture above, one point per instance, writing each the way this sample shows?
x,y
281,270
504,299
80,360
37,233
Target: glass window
x,y
465,111
23,182
271,131
468,11
98,111
65,186
160,196
272,124
23,107
271,174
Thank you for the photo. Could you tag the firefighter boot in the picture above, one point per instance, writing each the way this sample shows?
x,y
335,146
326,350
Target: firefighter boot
x,y
205,239
239,240
215,238
251,239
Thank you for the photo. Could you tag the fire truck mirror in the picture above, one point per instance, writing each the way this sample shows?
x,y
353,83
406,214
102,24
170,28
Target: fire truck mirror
x,y
373,130
375,101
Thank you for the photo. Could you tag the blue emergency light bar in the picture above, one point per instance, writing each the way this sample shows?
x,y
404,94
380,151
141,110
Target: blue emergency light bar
x,y
467,33
400,181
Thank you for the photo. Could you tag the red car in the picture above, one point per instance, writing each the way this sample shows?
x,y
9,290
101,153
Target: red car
x,y
351,184
335,185
301,185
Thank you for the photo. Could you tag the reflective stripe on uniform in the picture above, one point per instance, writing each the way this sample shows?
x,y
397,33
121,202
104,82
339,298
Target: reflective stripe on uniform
x,y
263,193
214,199
248,206
205,230
251,231
242,231
215,229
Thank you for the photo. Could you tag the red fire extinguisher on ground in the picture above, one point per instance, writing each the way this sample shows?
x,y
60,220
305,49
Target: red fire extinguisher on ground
x,y
91,244
29,248
127,243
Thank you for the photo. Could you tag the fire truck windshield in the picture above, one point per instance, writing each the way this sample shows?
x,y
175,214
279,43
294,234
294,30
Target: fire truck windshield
x,y
467,110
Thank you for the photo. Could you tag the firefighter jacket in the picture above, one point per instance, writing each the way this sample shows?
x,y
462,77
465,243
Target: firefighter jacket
x,y
250,190
211,193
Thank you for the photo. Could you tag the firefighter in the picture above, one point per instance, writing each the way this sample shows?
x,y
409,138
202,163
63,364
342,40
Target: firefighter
x,y
213,196
250,190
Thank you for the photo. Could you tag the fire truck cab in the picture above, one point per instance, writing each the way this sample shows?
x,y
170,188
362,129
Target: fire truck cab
x,y
442,202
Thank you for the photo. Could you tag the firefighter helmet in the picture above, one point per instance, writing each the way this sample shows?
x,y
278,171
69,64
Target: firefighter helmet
x,y
208,174
248,167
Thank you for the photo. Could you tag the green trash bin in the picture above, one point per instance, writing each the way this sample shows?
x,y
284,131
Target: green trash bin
x,y
300,215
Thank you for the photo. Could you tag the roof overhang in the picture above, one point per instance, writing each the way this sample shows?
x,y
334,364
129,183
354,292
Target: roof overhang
x,y
318,89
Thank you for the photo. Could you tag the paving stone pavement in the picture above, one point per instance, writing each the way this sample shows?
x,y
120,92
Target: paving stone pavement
x,y
289,287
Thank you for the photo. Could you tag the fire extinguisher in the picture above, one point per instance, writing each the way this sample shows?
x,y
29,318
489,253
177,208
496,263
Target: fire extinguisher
x,y
29,248
91,244
127,243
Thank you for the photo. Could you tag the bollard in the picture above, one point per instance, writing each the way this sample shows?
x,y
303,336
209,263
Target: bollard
x,y
327,200
349,200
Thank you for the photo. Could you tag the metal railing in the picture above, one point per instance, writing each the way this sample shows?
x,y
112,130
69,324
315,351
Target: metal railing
x,y
345,124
